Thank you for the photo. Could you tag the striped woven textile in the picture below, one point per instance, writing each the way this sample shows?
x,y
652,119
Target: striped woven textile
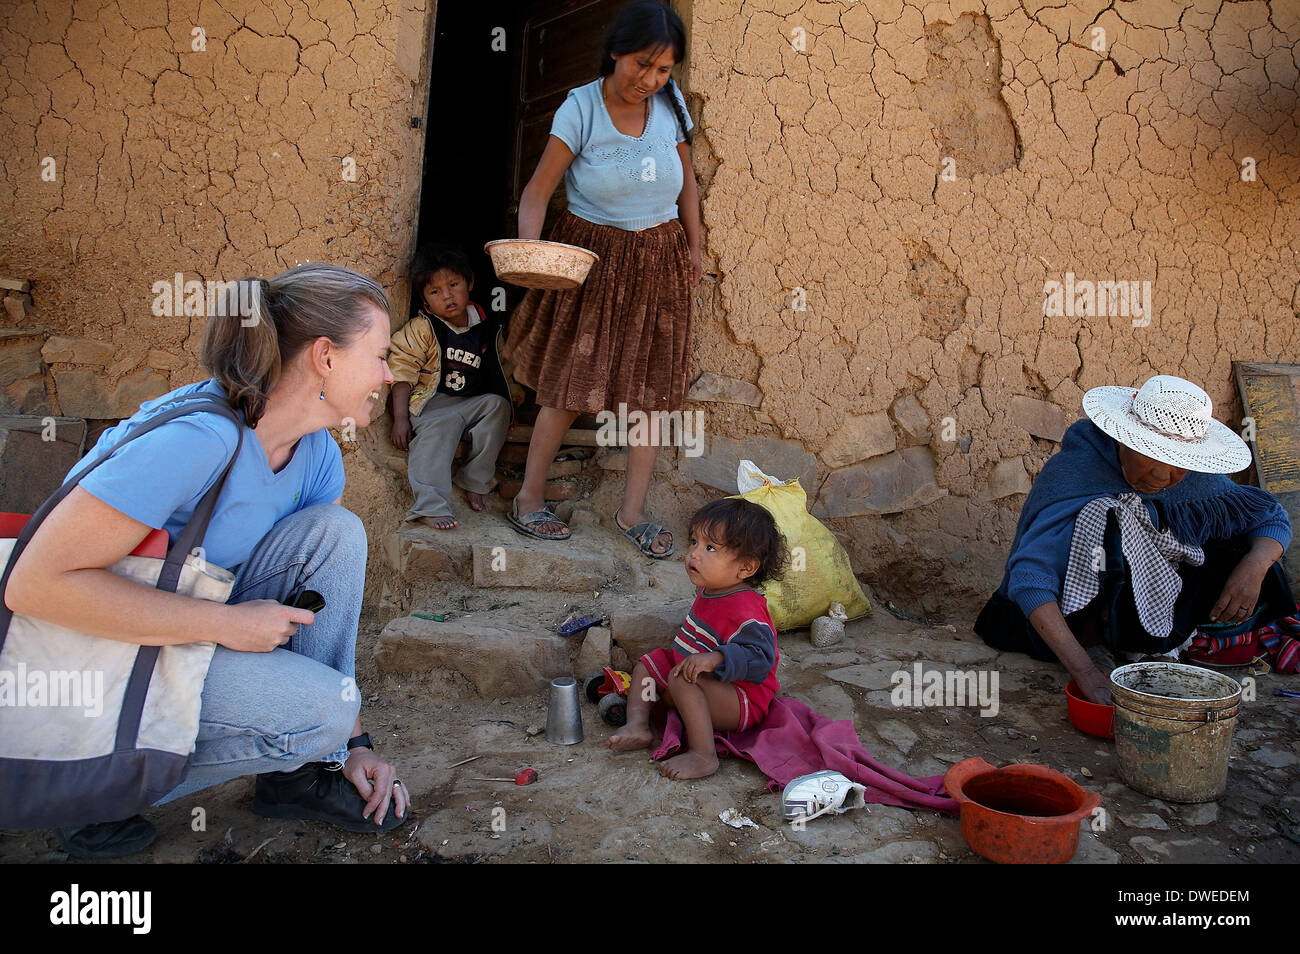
x,y
1280,642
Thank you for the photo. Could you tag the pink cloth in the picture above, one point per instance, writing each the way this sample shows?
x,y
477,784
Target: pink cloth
x,y
793,741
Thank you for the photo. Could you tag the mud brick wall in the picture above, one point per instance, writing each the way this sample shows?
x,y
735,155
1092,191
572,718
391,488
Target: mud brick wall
x,y
887,188
891,184
145,138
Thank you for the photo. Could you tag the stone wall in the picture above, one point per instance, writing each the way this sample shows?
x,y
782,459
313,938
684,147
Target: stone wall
x,y
889,186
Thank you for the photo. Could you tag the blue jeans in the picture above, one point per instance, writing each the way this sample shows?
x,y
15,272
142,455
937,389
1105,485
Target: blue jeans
x,y
276,711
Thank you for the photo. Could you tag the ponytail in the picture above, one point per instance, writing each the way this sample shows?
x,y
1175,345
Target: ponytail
x,y
260,326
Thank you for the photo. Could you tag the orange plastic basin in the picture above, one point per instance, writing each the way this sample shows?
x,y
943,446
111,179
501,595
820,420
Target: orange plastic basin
x,y
1021,814
1087,716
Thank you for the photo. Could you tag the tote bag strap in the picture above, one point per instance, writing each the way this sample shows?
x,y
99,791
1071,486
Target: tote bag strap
x,y
189,536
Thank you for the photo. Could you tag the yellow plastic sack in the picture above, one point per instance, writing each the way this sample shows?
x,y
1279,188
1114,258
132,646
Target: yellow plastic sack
x,y
819,573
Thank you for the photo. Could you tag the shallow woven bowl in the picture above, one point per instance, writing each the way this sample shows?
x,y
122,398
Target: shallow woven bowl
x,y
534,263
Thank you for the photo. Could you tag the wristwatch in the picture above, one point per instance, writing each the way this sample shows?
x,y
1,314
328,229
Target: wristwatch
x,y
361,741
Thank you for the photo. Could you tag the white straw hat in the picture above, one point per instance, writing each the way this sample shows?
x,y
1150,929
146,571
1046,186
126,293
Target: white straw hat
x,y
1168,419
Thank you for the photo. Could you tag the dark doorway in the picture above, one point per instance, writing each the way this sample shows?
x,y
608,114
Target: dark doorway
x,y
490,115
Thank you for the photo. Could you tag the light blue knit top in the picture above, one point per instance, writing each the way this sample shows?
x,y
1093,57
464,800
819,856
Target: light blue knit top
x,y
628,182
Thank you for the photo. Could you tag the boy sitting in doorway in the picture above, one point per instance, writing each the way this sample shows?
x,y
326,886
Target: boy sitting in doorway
x,y
449,380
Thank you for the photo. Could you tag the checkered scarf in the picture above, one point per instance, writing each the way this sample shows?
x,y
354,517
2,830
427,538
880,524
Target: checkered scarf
x,y
1152,556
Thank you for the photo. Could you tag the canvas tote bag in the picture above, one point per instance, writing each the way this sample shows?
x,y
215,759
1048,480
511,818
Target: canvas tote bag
x,y
126,739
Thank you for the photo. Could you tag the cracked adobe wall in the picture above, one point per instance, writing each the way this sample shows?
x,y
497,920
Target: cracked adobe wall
x,y
216,155
1103,139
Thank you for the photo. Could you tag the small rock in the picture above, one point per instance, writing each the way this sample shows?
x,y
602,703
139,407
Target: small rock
x,y
1148,820
897,734
1203,814
534,730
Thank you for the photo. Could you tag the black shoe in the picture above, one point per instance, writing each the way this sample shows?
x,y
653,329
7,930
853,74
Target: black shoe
x,y
107,839
315,792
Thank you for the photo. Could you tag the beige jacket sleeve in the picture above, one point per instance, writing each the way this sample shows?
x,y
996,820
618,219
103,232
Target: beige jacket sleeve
x,y
414,359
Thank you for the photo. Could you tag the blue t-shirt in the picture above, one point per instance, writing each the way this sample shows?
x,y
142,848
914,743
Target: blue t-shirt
x,y
160,478
628,182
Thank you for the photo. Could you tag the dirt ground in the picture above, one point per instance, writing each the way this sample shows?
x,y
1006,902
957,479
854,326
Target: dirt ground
x,y
594,805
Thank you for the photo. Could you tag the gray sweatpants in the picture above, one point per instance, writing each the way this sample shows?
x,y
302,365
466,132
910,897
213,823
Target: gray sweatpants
x,y
438,428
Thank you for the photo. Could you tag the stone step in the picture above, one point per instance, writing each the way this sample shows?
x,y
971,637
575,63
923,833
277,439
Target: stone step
x,y
539,564
494,654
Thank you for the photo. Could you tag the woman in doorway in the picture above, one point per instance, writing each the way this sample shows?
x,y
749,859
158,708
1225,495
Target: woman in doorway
x,y
279,700
622,145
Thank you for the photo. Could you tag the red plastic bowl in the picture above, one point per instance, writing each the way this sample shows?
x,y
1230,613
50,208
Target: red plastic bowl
x,y
1089,717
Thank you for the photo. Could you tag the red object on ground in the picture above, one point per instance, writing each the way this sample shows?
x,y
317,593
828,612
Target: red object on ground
x,y
1021,814
154,545
526,777
1090,717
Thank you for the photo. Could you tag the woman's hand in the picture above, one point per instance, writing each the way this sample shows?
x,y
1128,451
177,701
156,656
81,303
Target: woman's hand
x,y
259,626
1095,687
1241,591
374,779
692,666
697,270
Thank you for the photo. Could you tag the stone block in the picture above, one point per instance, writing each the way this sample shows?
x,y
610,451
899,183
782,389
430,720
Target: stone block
x,y
1007,478
1039,418
36,453
911,417
17,306
718,388
25,396
77,351
615,458
20,358
490,655
717,466
83,393
566,567
893,483
860,436
594,653
416,551
647,624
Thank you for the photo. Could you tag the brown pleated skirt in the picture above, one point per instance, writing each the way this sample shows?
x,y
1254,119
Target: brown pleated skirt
x,y
623,336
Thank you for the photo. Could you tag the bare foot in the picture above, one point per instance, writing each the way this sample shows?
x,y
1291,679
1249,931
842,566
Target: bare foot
x,y
475,500
440,523
630,737
690,765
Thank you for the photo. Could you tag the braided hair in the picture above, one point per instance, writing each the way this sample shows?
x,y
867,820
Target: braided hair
x,y
648,24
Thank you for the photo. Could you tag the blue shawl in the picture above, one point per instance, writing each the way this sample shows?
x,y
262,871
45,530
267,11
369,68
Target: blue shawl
x,y
1200,507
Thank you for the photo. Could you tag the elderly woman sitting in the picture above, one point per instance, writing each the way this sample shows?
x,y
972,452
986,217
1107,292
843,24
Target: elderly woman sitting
x,y
1132,537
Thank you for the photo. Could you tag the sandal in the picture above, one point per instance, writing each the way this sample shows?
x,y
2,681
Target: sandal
x,y
644,535
529,521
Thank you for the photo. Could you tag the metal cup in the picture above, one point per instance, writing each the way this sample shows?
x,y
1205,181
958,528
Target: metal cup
x,y
563,715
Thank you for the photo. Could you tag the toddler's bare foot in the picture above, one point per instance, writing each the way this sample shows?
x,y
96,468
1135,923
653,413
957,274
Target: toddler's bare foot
x,y
631,737
475,500
690,765
440,523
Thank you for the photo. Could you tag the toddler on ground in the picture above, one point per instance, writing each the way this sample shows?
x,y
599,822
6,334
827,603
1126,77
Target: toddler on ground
x,y
720,672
